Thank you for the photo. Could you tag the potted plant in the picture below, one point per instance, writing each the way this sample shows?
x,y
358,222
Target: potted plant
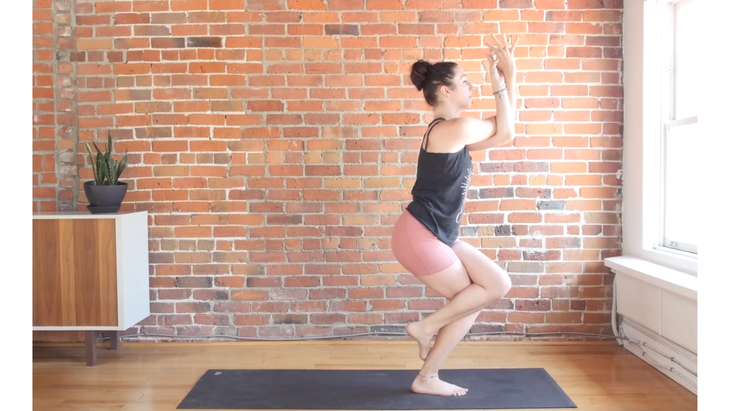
x,y
105,193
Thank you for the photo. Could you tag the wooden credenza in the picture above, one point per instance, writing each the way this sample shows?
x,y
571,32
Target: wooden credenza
x,y
90,273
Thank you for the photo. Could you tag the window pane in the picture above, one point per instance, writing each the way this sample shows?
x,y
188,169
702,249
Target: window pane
x,y
681,184
686,58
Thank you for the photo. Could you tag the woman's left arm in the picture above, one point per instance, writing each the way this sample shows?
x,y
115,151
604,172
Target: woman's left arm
x,y
507,66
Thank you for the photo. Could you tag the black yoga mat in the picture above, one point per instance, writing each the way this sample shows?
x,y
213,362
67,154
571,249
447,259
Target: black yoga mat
x,y
510,388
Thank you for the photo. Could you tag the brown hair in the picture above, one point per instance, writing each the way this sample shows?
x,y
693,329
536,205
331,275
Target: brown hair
x,y
429,77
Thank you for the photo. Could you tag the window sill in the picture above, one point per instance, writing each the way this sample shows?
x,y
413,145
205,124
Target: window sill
x,y
667,278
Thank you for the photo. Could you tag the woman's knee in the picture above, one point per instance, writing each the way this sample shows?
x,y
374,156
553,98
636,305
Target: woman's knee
x,y
497,286
505,284
483,271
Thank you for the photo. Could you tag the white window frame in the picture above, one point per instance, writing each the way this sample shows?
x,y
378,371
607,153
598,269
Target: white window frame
x,y
664,67
642,114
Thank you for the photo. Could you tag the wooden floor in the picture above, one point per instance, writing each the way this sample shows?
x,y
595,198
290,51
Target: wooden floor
x,y
598,376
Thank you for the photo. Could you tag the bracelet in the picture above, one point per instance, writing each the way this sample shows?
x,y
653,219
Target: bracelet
x,y
500,90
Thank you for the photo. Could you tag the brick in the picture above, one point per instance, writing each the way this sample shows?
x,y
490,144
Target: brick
x,y
132,95
518,4
204,42
168,43
342,29
384,5
93,44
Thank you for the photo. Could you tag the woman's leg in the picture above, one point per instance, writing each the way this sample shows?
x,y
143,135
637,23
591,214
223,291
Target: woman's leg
x,y
446,341
489,283
448,283
444,270
449,335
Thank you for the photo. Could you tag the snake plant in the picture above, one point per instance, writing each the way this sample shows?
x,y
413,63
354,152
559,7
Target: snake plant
x,y
106,169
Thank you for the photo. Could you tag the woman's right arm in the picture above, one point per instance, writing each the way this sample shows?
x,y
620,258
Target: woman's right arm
x,y
498,130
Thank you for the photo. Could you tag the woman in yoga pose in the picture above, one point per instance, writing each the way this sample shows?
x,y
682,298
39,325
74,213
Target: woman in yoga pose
x,y
424,238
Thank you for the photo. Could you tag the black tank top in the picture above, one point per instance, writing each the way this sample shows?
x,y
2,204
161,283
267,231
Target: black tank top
x,y
439,193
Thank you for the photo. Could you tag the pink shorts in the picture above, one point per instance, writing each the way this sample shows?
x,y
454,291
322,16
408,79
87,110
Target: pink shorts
x,y
417,249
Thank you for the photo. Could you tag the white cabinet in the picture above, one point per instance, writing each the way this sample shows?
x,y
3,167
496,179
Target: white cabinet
x,y
90,273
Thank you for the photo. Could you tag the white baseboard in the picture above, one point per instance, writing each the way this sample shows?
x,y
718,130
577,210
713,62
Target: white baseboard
x,y
640,336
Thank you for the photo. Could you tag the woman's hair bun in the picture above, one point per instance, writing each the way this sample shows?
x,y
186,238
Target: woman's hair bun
x,y
419,72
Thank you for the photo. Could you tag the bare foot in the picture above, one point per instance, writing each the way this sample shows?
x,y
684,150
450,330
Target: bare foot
x,y
434,386
424,339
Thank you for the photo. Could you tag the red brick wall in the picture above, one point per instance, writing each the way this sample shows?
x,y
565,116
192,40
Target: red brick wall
x,y
274,142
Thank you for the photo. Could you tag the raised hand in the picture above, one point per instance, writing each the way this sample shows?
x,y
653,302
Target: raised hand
x,y
503,52
494,73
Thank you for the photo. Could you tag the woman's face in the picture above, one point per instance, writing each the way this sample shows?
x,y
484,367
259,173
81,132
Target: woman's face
x,y
461,93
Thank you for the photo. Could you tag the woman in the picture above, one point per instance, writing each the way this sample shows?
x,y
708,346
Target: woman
x,y
424,238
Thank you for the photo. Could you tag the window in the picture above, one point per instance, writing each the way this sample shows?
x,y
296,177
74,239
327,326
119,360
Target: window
x,y
679,139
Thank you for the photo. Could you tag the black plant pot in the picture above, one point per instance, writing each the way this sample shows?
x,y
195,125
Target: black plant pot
x,y
104,198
